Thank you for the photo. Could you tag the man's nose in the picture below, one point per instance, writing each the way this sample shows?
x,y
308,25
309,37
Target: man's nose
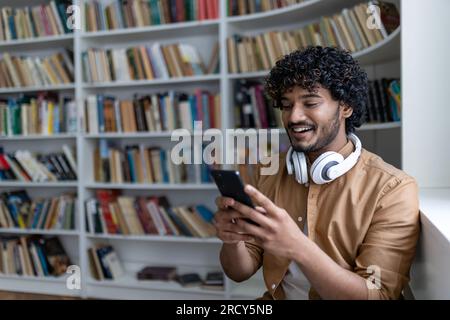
x,y
297,113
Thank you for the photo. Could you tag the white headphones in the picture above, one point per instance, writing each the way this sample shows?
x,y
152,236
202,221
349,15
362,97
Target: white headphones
x,y
329,166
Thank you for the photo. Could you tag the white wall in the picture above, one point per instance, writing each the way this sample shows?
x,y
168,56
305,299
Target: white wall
x,y
425,91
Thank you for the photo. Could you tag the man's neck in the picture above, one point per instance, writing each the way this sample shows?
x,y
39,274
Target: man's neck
x,y
337,144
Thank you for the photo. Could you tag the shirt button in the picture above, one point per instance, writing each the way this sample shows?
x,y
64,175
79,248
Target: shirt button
x,y
300,219
274,286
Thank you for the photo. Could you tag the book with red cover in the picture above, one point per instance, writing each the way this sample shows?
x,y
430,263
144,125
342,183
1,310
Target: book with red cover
x,y
105,197
144,216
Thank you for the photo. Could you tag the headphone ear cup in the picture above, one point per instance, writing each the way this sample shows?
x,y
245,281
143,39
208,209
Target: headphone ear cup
x,y
289,165
320,167
301,168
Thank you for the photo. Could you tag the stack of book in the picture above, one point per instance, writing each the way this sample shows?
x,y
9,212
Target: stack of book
x,y
157,112
34,115
112,213
253,108
18,210
384,104
239,7
23,165
23,71
347,30
146,63
214,280
33,256
104,262
135,13
36,21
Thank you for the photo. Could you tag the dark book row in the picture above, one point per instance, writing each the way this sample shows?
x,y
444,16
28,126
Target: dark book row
x,y
33,256
23,165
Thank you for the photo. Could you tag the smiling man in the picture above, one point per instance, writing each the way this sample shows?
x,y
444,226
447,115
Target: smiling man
x,y
335,220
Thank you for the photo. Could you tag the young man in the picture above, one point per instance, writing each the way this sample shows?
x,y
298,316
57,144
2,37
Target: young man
x,y
351,236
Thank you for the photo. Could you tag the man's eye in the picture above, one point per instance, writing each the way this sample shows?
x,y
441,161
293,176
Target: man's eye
x,y
286,106
310,105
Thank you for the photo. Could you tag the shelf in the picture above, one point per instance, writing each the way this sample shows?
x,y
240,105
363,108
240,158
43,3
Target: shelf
x,y
248,75
181,28
30,43
177,239
385,50
145,83
128,280
155,186
293,14
41,285
24,184
379,126
39,137
134,135
36,89
40,231
364,127
23,277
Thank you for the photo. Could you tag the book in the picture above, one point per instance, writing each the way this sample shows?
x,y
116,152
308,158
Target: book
x,y
163,273
189,279
214,281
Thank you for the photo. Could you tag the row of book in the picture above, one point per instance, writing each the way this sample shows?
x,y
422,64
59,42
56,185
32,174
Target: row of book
x,y
253,109
140,164
35,21
18,210
136,13
145,63
41,114
347,30
239,7
113,213
213,280
23,165
157,112
384,103
33,256
22,71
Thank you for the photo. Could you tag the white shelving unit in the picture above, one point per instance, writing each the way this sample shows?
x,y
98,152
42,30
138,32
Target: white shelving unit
x,y
190,254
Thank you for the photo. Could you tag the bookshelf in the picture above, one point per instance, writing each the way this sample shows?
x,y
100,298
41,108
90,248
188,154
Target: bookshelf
x,y
189,254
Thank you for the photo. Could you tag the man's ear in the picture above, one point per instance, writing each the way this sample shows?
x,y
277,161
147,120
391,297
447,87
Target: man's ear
x,y
346,111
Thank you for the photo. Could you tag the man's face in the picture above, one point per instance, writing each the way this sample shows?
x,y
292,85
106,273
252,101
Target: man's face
x,y
312,119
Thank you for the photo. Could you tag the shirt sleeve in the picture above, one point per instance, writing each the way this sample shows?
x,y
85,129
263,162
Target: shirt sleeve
x,y
387,252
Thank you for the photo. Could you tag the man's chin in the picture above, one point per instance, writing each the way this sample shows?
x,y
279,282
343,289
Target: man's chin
x,y
302,147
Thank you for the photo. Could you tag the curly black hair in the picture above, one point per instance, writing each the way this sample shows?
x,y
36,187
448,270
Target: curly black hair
x,y
334,69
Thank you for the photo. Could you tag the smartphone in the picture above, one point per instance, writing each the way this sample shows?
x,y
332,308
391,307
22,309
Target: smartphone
x,y
230,185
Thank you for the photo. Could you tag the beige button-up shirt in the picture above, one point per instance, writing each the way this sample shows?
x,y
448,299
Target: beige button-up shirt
x,y
367,217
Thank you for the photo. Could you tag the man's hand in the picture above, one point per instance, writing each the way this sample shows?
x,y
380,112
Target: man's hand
x,y
277,232
225,222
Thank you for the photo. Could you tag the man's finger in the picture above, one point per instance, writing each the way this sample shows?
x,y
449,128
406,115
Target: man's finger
x,y
224,202
250,229
252,214
261,200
